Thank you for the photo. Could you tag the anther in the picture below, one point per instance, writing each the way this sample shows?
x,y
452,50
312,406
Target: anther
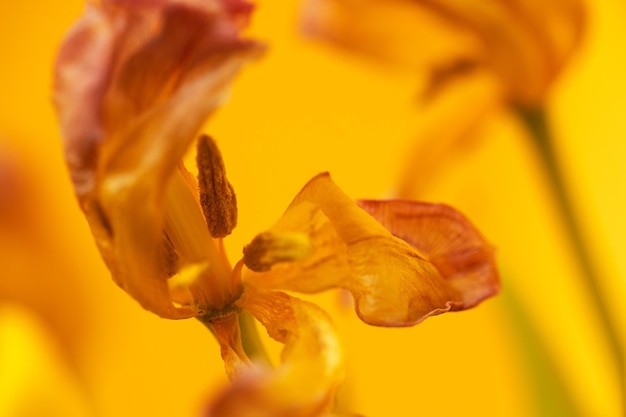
x,y
267,249
217,196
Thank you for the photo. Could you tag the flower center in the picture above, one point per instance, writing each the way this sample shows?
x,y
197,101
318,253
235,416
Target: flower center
x,y
205,278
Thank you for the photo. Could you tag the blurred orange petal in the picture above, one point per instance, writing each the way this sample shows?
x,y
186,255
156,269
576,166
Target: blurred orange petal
x,y
228,335
524,43
305,382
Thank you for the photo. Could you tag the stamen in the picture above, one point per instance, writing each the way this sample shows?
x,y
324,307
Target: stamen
x,y
203,268
267,249
217,196
184,224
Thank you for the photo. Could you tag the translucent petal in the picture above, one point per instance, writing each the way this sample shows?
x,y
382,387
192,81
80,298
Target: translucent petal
x,y
448,240
392,278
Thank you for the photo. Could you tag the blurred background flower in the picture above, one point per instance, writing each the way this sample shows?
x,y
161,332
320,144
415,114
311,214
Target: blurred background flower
x,y
72,343
515,50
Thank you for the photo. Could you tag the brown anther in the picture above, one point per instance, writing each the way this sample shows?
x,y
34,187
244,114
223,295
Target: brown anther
x,y
217,196
267,249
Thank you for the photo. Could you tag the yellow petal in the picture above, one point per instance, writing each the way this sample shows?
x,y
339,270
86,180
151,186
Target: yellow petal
x,y
392,278
134,83
311,368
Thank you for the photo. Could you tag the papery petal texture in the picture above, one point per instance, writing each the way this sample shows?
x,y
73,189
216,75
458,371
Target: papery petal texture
x,y
393,279
448,240
311,368
134,83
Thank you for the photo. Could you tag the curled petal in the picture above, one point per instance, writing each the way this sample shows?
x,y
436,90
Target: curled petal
x,y
311,368
524,43
124,59
395,280
447,239
134,83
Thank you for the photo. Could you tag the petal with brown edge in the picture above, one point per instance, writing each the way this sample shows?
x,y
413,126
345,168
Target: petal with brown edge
x,y
447,239
124,138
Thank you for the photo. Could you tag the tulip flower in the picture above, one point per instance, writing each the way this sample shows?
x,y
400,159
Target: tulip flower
x,y
134,83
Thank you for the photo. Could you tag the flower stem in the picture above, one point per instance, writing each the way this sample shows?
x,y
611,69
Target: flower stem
x,y
537,124
551,392
250,339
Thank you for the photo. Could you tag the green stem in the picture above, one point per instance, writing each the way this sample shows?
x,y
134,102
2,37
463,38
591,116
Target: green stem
x,y
536,122
550,390
250,339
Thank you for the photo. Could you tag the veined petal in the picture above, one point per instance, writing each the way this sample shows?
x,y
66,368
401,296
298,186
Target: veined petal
x,y
135,81
124,58
311,368
448,240
393,279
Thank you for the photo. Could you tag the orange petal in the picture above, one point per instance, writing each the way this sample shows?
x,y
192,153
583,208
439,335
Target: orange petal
x,y
311,368
394,281
398,33
135,81
525,43
228,335
448,240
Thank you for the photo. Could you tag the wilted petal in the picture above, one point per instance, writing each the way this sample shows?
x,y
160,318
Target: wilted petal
x,y
135,81
525,43
305,382
393,279
228,335
448,240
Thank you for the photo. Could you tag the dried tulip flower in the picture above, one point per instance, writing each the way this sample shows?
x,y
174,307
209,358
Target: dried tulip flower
x,y
402,261
134,83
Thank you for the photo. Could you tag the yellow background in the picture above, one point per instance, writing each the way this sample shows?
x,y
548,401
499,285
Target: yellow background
x,y
73,344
